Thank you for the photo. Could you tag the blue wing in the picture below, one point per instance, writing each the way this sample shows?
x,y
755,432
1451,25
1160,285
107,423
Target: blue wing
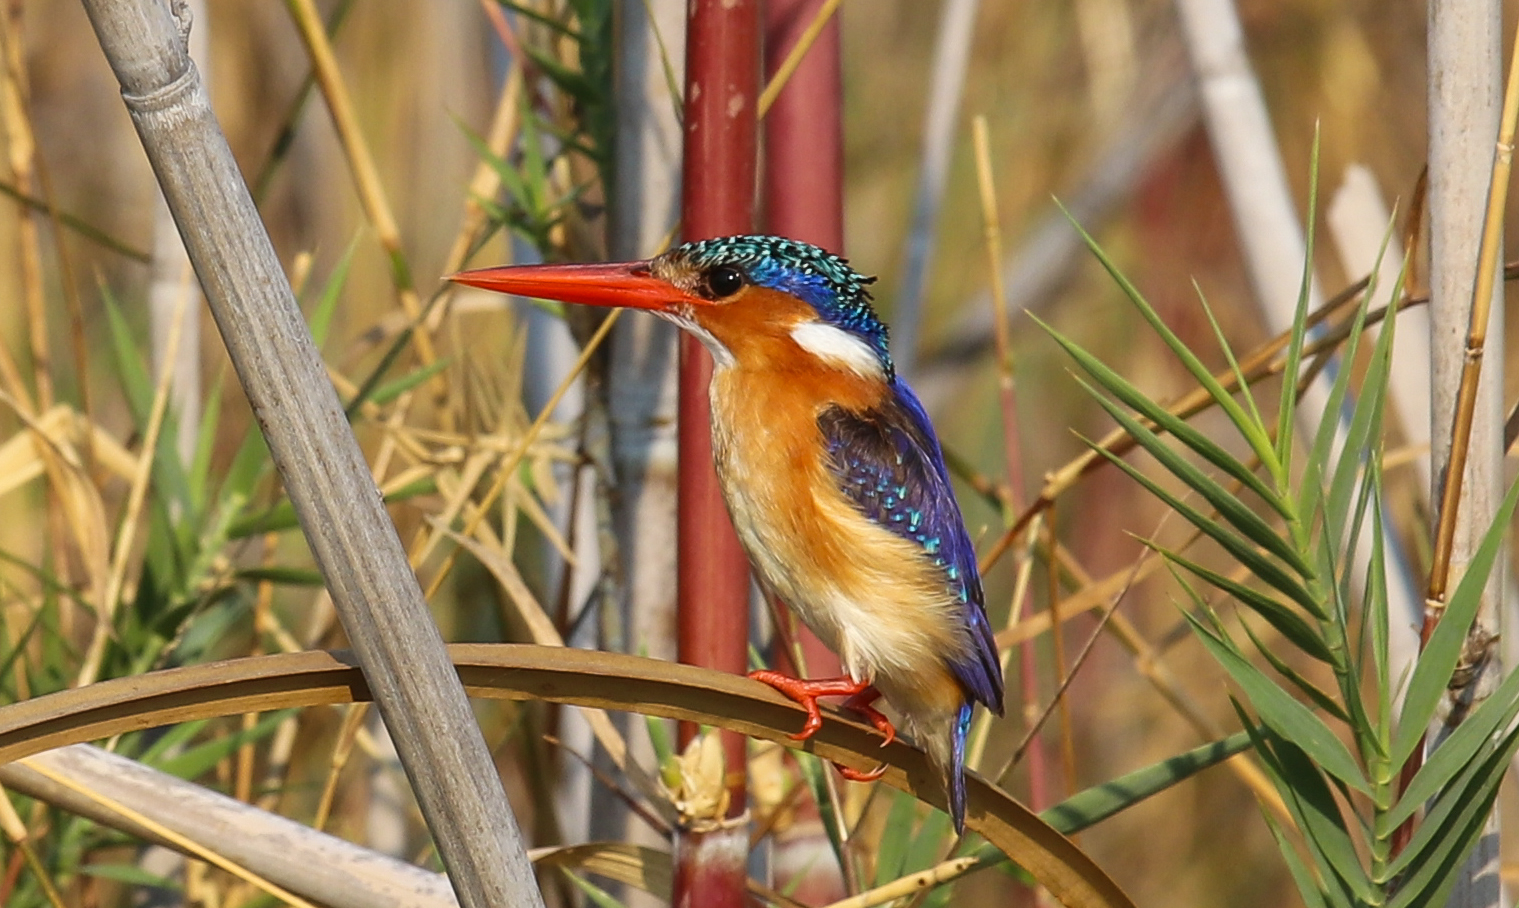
x,y
887,461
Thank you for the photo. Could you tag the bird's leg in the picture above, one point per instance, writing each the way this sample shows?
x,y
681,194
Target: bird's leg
x,y
806,693
861,695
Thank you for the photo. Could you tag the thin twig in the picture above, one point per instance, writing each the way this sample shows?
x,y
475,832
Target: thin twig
x,y
795,56
15,830
365,174
509,468
911,884
77,224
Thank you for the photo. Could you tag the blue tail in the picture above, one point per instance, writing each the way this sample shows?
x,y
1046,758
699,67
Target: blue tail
x,y
957,766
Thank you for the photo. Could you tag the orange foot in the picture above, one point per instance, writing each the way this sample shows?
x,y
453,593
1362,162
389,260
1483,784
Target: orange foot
x,y
861,695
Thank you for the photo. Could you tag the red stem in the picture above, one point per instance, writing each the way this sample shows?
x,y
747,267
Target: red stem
x,y
803,179
721,93
803,198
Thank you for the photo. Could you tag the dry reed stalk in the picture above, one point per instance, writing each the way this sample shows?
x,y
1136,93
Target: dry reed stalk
x,y
910,885
331,872
1476,343
21,151
795,56
353,723
557,675
324,472
105,609
361,163
642,361
1038,773
170,278
180,842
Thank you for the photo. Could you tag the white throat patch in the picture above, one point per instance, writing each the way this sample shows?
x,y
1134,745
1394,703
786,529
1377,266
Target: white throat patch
x,y
839,348
722,357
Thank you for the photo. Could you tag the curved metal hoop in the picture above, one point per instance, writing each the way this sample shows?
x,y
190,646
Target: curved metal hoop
x,y
559,675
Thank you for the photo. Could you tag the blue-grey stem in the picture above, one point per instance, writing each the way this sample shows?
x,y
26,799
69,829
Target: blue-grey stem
x,y
951,56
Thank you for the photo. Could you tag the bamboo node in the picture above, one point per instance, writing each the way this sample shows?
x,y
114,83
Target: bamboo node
x,y
180,90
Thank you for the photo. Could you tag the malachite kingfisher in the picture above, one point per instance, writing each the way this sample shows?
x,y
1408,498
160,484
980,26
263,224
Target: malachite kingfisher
x,y
831,471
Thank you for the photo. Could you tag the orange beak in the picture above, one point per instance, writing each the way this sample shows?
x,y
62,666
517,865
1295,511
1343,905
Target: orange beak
x,y
629,284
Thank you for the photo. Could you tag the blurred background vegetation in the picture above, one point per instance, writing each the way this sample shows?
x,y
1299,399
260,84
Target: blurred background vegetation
x,y
1074,92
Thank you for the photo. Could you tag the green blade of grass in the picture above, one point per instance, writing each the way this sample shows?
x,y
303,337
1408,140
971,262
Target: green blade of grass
x,y
390,390
1090,807
1287,411
320,320
1259,564
1173,425
1307,884
1284,715
1450,829
1312,491
1336,888
1254,434
1462,746
1286,621
1365,422
1230,508
1320,699
1325,823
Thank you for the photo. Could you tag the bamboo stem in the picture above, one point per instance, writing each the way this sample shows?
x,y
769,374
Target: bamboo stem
x,y
1476,342
351,536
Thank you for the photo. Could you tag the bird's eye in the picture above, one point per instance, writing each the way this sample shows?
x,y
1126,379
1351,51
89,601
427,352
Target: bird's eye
x,y
724,280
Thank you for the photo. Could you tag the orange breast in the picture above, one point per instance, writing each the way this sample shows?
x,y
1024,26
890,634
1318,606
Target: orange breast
x,y
874,598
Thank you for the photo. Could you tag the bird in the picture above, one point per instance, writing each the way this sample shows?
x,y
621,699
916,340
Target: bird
x,y
831,471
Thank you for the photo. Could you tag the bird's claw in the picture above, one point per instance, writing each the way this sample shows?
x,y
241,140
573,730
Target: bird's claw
x,y
812,725
855,775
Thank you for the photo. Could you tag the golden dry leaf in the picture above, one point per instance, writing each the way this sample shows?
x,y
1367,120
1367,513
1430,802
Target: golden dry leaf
x,y
696,782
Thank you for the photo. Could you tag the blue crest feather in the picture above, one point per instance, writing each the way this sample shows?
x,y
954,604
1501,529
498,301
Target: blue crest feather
x,y
815,276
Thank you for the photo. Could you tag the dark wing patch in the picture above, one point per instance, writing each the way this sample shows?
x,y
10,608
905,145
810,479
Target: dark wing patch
x,y
887,462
